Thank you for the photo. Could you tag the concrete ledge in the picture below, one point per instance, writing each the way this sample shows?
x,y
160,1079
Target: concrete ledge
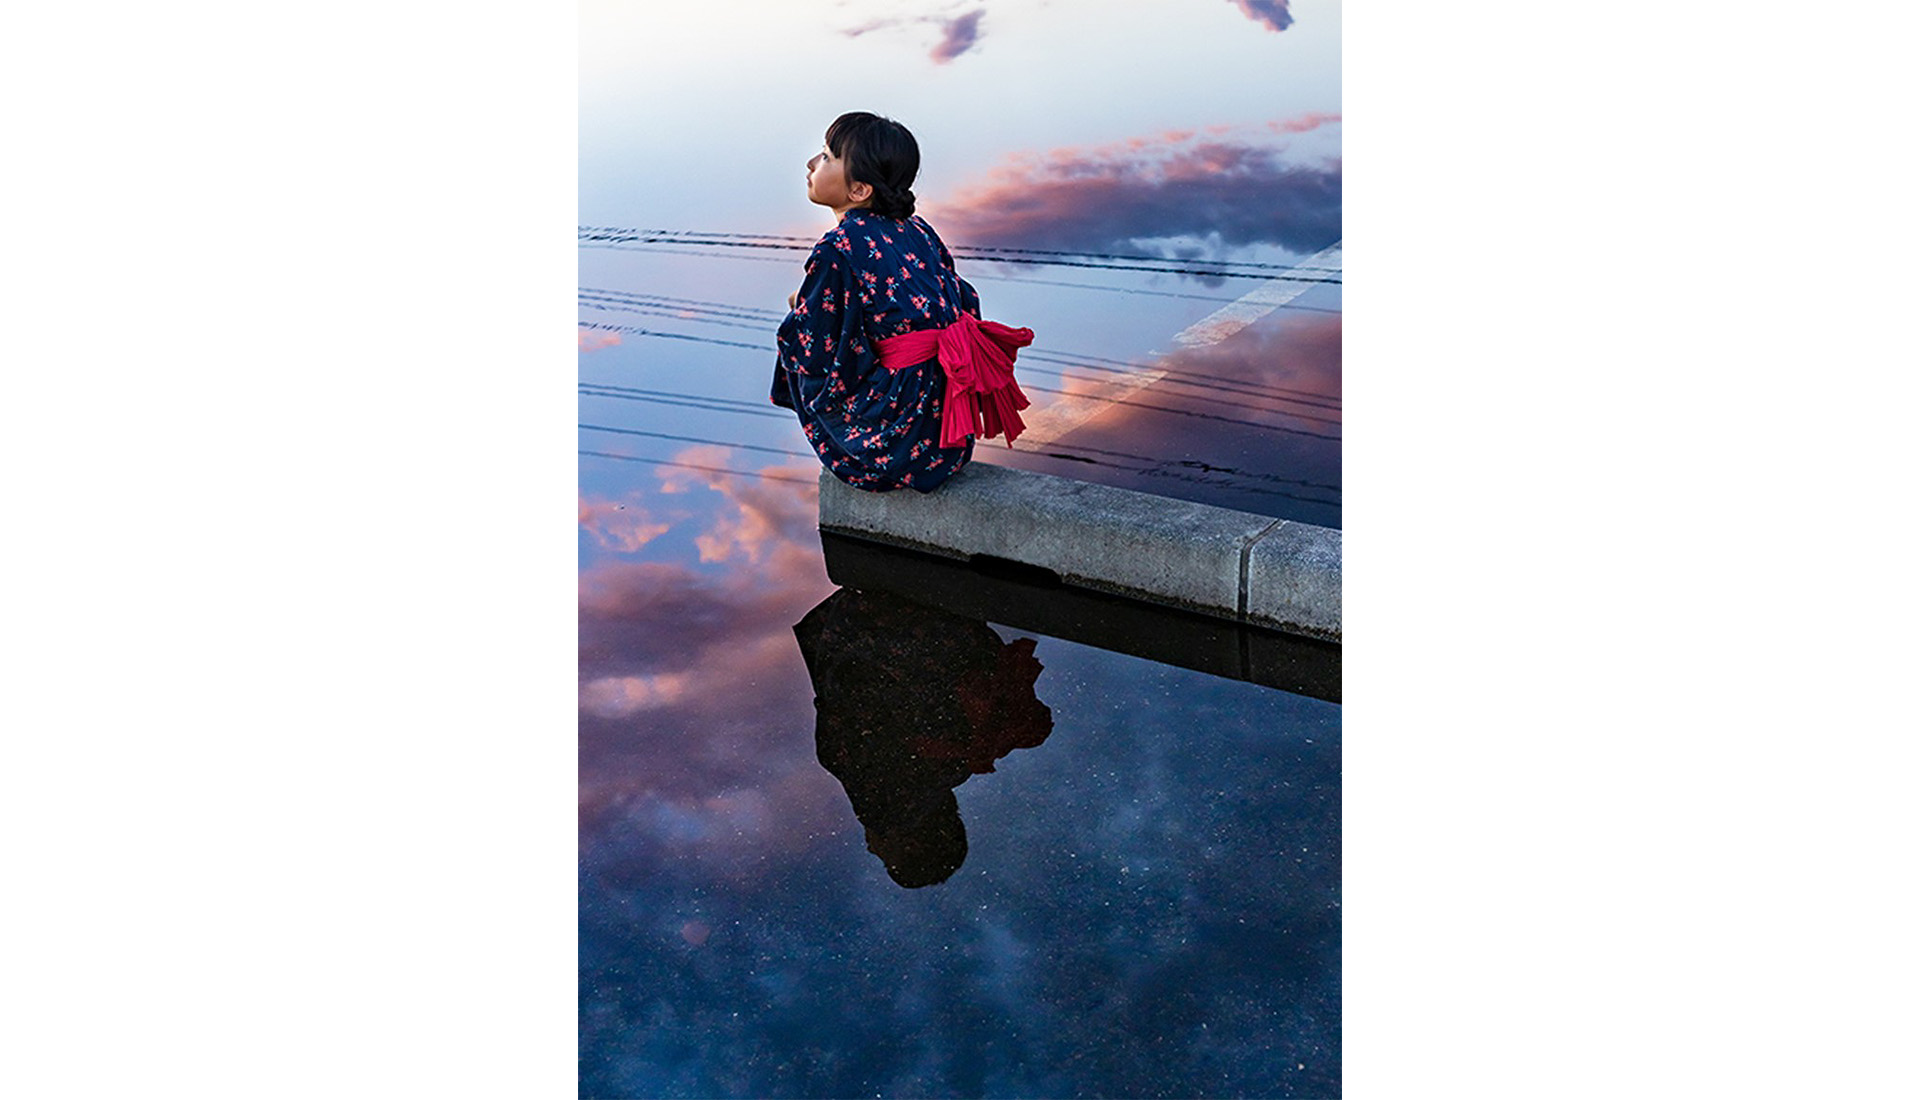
x,y
1293,579
1234,565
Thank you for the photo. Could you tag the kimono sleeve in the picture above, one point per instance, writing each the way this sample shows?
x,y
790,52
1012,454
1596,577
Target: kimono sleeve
x,y
823,330
969,297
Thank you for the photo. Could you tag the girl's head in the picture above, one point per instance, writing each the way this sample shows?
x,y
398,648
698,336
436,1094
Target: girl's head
x,y
868,162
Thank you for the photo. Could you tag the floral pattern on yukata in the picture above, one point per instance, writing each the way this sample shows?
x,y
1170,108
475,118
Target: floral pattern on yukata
x,y
870,278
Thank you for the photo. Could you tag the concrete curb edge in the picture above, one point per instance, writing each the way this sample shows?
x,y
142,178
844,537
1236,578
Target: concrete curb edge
x,y
1277,574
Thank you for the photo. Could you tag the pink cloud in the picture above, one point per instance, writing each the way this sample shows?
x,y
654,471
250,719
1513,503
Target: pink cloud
x,y
1271,13
655,635
623,526
1178,183
620,696
1274,373
696,716
764,518
769,524
1299,353
1297,356
596,339
1312,120
957,37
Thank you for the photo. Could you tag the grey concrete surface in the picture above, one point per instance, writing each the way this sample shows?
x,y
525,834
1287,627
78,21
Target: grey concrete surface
x,y
1235,565
1208,643
1293,580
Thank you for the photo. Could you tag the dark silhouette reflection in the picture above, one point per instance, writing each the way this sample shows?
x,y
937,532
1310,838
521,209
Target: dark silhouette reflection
x,y
909,702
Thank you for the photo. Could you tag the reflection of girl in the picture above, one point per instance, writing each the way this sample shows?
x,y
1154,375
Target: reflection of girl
x,y
884,356
910,702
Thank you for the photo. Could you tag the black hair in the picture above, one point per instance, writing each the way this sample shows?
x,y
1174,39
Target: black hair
x,y
880,153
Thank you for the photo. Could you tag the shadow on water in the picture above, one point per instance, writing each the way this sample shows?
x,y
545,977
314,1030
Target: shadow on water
x,y
1030,599
910,702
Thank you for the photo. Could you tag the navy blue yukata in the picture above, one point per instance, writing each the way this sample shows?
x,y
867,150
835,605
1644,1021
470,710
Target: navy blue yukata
x,y
868,279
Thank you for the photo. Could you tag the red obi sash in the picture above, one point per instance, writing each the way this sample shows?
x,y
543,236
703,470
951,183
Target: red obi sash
x,y
982,397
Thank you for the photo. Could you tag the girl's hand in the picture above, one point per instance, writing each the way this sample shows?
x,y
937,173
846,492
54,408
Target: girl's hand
x,y
793,299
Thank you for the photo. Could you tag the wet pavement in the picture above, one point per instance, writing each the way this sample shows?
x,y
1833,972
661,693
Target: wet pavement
x,y
1145,900
1243,412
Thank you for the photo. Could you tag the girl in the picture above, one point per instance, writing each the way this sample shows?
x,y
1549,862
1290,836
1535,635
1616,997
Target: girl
x,y
884,356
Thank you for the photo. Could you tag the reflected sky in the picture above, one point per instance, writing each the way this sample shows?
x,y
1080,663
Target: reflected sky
x,y
1148,903
1137,915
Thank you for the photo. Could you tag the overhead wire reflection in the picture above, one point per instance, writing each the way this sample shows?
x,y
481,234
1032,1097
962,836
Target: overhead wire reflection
x,y
696,466
596,235
702,312
1168,468
1211,273
635,330
1237,393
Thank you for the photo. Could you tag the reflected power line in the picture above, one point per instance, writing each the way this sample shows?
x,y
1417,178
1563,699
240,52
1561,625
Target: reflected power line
x,y
718,313
608,236
696,466
1236,392
1038,389
1192,471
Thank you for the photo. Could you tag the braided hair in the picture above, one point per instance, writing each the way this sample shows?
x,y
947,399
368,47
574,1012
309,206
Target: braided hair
x,y
880,153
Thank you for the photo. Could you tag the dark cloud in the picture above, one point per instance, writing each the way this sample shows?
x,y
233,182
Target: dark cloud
x,y
1226,190
958,36
1273,13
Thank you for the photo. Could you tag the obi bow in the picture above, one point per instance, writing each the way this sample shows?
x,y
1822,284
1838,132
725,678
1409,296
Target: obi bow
x,y
982,397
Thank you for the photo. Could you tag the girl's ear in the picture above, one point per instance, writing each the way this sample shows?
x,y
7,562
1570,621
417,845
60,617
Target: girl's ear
x,y
860,192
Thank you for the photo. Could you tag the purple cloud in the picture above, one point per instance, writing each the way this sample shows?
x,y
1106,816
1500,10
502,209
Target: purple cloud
x,y
696,714
1185,183
959,37
1271,12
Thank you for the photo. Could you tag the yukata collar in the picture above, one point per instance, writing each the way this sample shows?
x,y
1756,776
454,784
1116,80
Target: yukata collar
x,y
866,215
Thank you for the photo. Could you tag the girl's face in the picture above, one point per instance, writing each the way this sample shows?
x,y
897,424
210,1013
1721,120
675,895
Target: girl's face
x,y
827,182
